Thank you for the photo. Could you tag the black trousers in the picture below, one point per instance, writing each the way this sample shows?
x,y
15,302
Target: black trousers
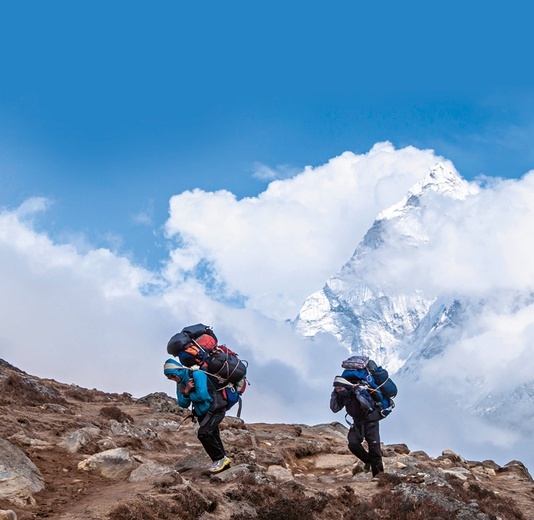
x,y
370,432
208,434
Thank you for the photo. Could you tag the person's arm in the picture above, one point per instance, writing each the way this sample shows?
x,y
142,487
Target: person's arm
x,y
201,386
188,387
336,402
183,401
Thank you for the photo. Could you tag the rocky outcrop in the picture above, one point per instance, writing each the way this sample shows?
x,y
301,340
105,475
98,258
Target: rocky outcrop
x,y
110,456
19,476
115,464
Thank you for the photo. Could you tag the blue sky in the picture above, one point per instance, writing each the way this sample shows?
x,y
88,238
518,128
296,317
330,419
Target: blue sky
x,y
109,109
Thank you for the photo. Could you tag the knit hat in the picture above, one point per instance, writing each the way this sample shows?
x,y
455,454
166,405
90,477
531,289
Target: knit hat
x,y
172,366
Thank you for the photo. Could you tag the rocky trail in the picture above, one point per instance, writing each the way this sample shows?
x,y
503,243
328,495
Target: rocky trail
x,y
77,454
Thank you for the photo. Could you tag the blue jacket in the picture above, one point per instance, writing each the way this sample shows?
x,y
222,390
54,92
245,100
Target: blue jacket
x,y
199,397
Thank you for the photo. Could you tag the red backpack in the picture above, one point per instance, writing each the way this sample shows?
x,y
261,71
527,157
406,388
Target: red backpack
x,y
197,345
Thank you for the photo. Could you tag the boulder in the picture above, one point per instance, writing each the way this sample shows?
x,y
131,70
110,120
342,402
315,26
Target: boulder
x,y
19,476
149,471
279,474
114,464
330,461
76,440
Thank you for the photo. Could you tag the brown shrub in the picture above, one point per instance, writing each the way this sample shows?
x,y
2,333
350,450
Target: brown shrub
x,y
148,508
394,507
114,412
186,504
389,480
79,394
26,391
489,502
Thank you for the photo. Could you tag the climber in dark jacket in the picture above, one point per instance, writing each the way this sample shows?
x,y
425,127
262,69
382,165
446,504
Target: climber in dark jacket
x,y
360,407
193,387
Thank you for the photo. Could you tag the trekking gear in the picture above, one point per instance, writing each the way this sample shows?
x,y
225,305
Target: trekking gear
x,y
355,362
195,331
364,377
385,383
196,347
220,465
227,366
181,341
196,351
361,369
232,393
178,343
360,389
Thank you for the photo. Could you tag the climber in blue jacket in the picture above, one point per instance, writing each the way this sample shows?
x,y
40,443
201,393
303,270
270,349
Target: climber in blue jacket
x,y
194,387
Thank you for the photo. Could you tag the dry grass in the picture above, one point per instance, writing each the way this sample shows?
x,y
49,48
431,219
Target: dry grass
x,y
186,504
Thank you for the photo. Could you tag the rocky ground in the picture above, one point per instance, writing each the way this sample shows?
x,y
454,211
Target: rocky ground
x,y
71,453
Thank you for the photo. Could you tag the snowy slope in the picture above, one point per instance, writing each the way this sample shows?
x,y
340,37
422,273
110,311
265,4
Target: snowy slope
x,y
372,318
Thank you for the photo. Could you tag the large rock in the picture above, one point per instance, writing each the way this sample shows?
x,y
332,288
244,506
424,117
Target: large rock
x,y
279,473
114,464
76,440
332,461
19,476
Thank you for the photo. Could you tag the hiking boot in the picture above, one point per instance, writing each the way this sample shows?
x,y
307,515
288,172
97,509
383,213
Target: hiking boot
x,y
220,465
367,468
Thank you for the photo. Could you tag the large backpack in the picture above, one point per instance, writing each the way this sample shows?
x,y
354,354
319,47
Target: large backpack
x,y
196,346
361,369
190,336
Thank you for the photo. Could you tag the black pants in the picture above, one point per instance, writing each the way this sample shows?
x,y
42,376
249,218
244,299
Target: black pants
x,y
370,432
208,434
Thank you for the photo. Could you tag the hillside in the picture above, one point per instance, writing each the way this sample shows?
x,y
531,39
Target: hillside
x,y
72,453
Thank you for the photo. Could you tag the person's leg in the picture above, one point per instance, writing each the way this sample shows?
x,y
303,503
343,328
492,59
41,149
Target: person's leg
x,y
355,438
208,434
372,436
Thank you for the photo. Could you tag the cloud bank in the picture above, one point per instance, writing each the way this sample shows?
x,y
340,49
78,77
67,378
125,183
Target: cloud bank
x,y
279,247
95,319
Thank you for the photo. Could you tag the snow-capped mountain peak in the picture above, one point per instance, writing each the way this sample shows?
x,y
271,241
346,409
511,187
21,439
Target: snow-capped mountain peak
x,y
439,180
375,319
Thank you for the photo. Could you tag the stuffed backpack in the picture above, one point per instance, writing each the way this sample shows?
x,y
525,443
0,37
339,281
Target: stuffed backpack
x,y
196,347
362,370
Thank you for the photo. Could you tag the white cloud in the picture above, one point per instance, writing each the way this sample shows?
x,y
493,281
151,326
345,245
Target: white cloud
x,y
474,247
95,319
145,217
32,206
86,318
280,171
277,248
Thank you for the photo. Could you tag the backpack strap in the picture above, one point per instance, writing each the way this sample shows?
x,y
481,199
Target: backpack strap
x,y
200,349
239,407
378,387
